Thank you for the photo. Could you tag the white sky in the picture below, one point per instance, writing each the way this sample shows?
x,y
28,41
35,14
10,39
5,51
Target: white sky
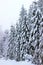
x,y
9,11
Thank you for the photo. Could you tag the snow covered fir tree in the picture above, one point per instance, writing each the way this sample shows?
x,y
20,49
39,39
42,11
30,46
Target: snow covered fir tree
x,y
25,40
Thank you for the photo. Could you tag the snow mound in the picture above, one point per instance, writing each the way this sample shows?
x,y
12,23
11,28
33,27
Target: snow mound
x,y
13,62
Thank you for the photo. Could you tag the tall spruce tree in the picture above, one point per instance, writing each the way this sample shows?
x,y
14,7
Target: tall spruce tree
x,y
23,23
17,42
11,45
23,13
35,34
24,38
32,9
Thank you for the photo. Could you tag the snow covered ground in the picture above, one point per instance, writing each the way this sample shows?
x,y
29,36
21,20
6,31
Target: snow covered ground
x,y
12,62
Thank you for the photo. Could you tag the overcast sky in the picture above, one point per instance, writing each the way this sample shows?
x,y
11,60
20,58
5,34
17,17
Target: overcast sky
x,y
9,11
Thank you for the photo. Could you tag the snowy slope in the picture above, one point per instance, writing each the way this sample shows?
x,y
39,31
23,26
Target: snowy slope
x,y
12,62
